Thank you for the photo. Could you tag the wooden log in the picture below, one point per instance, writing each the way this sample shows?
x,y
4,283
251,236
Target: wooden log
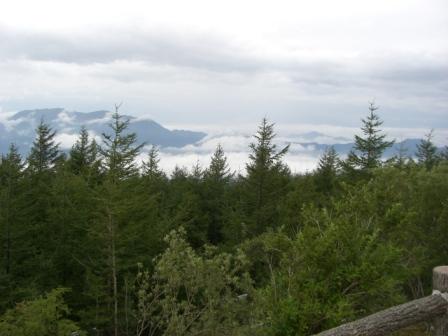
x,y
393,319
440,287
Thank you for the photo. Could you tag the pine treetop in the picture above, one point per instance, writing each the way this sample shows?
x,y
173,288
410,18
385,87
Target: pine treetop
x,y
219,167
369,147
264,154
119,149
45,151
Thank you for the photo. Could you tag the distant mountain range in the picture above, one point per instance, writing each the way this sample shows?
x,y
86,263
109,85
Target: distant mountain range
x,y
409,146
20,128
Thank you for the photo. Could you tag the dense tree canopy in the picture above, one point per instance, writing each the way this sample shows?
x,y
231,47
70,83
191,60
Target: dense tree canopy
x,y
265,252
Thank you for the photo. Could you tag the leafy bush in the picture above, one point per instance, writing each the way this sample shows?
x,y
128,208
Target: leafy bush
x,y
45,315
192,293
336,269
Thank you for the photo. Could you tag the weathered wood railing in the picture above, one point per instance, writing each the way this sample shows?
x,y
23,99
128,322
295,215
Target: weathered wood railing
x,y
432,308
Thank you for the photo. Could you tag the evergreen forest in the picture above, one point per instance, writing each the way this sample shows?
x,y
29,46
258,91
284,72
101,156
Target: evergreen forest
x,y
94,243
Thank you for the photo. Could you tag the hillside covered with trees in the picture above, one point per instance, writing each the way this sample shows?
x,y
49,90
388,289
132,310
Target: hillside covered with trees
x,y
94,243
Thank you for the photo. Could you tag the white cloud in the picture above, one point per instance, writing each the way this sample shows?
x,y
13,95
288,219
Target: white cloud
x,y
65,140
298,163
65,118
300,158
208,62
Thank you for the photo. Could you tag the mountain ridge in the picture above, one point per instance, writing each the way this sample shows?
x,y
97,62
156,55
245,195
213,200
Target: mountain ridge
x,y
20,128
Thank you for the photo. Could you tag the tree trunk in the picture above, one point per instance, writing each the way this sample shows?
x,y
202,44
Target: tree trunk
x,y
395,318
8,229
111,229
430,308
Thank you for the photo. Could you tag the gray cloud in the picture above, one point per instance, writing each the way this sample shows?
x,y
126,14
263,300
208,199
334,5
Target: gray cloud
x,y
206,77
212,53
158,47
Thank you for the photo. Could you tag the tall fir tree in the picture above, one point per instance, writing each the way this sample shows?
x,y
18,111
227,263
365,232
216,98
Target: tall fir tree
x,y
71,215
216,179
14,238
151,167
11,170
119,153
84,154
43,162
119,149
266,179
45,151
369,148
154,180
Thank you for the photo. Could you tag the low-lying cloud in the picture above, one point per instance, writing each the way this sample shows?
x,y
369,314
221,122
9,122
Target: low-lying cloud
x,y
304,151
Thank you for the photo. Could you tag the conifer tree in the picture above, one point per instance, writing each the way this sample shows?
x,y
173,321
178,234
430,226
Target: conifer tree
x,y
179,174
369,148
70,220
151,167
427,152
327,171
219,167
147,208
119,153
197,173
84,154
188,201
11,171
216,179
264,155
43,162
266,178
45,151
119,149
154,180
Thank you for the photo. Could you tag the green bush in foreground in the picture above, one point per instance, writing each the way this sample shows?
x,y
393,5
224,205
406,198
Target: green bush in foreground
x,y
45,315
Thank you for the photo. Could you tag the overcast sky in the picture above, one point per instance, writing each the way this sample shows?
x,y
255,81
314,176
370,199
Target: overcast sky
x,y
230,62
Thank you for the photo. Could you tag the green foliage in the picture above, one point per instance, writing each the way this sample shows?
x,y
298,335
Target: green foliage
x,y
84,157
191,293
13,248
45,315
327,172
427,152
11,171
353,273
368,149
219,168
44,152
266,180
119,149
216,184
321,248
151,167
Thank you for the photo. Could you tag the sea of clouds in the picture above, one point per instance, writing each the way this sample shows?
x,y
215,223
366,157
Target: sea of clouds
x,y
303,154
306,142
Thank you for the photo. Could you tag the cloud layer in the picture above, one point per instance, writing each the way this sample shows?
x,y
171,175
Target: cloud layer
x,y
313,63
